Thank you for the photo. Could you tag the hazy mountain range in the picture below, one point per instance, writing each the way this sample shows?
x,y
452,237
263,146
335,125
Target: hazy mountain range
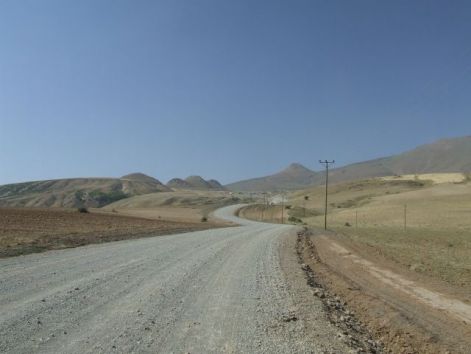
x,y
92,192
447,155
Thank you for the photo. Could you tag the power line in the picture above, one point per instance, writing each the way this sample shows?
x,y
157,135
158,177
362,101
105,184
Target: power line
x,y
326,163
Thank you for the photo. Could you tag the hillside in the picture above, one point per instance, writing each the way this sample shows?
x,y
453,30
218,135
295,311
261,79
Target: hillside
x,y
181,205
447,155
140,177
178,183
216,185
77,192
195,183
293,177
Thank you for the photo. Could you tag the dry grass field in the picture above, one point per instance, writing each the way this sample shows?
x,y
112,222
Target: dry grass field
x,y
436,178
260,212
186,206
420,223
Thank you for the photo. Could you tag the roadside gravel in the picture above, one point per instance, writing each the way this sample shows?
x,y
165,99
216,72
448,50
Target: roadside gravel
x,y
214,291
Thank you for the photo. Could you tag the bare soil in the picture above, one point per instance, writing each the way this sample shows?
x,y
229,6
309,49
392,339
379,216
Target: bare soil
x,y
406,312
29,230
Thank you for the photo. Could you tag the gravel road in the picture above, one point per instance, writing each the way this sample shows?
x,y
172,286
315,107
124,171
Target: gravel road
x,y
216,291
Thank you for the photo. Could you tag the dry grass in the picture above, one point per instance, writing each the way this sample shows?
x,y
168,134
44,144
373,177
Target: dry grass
x,y
266,213
351,194
178,205
438,253
437,240
164,213
436,178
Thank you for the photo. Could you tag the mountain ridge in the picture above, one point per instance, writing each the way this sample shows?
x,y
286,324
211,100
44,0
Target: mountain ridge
x,y
196,183
444,155
77,192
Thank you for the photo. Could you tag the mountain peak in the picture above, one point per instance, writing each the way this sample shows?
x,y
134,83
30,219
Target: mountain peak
x,y
141,177
296,168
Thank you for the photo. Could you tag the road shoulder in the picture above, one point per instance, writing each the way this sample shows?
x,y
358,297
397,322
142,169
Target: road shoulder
x,y
385,300
307,308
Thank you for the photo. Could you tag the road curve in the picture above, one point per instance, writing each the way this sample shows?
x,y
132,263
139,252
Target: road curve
x,y
214,291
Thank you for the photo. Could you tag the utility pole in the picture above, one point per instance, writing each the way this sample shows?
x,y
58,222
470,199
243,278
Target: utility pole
x,y
405,217
306,198
264,203
326,163
282,208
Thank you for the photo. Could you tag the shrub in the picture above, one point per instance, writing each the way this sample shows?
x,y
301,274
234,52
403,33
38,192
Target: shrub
x,y
295,220
82,210
204,219
104,198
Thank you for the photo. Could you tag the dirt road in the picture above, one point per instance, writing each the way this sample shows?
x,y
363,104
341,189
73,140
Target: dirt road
x,y
220,290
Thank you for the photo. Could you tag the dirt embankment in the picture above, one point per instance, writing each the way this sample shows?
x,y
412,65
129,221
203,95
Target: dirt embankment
x,y
29,230
406,312
267,213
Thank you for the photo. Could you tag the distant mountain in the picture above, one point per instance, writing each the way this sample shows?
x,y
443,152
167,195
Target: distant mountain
x,y
178,183
195,183
216,185
293,177
77,192
447,155
141,177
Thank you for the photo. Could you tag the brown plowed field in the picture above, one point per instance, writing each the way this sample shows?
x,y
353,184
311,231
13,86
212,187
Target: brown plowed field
x,y
28,230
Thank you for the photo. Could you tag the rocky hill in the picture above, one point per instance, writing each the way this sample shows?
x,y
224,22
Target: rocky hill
x,y
78,192
178,183
195,183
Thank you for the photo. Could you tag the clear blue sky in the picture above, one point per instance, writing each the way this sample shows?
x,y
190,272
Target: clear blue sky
x,y
225,89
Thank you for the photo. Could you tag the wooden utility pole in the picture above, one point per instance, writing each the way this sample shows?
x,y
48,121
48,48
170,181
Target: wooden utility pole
x,y
264,205
326,163
306,198
405,217
282,208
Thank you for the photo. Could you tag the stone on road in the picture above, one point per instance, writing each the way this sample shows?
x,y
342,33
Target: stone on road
x,y
233,290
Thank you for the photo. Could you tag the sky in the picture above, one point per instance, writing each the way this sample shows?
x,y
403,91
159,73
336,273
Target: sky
x,y
225,89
